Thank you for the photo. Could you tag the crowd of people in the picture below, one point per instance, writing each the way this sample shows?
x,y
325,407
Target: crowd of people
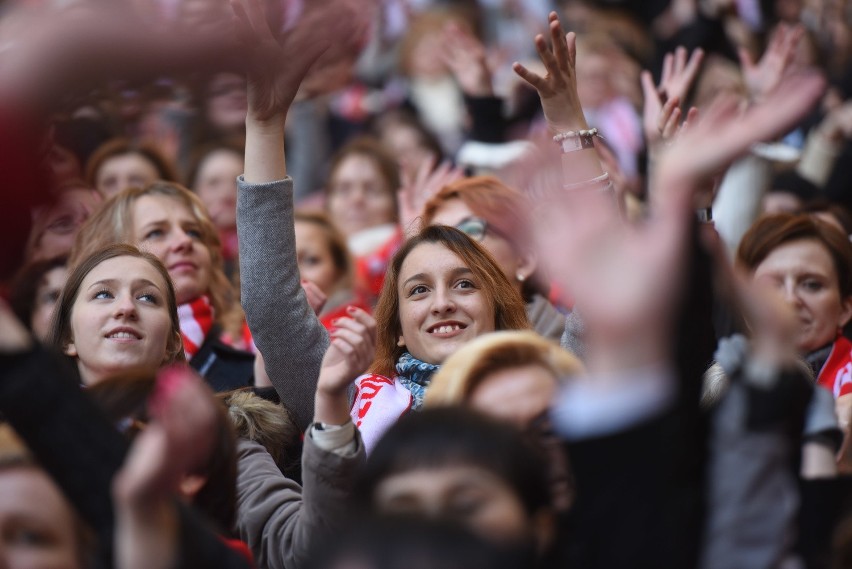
x,y
291,284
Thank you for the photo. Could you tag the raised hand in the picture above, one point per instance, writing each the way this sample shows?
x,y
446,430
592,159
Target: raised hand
x,y
558,88
418,189
353,346
763,77
725,133
180,438
677,78
465,57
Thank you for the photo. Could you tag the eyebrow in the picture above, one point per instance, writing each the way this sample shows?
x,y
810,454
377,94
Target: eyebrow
x,y
453,272
136,283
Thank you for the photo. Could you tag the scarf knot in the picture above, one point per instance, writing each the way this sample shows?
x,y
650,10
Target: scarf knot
x,y
196,319
415,376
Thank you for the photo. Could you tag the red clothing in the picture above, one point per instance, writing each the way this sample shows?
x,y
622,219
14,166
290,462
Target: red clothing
x,y
371,268
836,372
239,547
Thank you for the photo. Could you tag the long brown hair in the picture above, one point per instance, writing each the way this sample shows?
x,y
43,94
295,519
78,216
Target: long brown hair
x,y
60,330
508,306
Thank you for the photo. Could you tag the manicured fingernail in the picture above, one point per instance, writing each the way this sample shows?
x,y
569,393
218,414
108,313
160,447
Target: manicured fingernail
x,y
351,309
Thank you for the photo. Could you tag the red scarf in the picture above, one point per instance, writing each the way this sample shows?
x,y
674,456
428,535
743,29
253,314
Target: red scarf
x,y
836,373
196,320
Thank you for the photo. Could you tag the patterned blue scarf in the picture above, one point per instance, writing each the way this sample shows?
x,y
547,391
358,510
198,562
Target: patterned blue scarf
x,y
415,376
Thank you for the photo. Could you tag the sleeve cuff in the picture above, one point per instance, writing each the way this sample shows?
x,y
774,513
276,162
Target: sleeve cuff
x,y
339,439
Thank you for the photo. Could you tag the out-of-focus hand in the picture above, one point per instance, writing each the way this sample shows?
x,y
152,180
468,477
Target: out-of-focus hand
x,y
678,75
418,189
558,88
466,59
763,77
316,297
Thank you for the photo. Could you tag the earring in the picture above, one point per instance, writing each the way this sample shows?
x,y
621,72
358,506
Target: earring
x,y
521,277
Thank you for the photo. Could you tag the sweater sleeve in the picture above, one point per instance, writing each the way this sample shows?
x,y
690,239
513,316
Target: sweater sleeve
x,y
281,521
285,329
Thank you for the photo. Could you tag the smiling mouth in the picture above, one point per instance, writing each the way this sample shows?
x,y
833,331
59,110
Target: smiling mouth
x,y
123,335
447,328
182,266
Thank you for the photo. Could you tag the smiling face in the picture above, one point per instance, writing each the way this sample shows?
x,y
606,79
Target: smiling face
x,y
120,320
125,171
454,212
358,196
166,227
37,525
469,494
441,303
804,274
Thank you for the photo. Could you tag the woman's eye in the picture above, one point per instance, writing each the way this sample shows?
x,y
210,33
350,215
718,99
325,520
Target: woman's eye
x,y
465,507
154,233
812,285
29,537
194,233
465,284
419,289
149,297
102,294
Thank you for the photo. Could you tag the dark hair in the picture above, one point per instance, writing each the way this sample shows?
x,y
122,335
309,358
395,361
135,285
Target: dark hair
x,y
391,542
199,156
375,151
22,294
120,147
450,436
770,232
124,401
509,310
60,333
833,209
336,242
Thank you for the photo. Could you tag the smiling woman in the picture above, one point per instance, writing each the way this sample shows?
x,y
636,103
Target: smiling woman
x,y
117,314
172,223
441,291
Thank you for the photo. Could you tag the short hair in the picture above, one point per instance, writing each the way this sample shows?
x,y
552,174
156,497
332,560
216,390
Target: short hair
x,y
200,155
60,333
770,232
22,293
453,436
509,309
122,146
368,147
465,370
124,401
113,223
507,209
269,424
340,255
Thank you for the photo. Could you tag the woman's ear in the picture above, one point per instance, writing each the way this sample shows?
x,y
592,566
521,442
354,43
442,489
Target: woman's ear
x,y
401,341
70,349
527,264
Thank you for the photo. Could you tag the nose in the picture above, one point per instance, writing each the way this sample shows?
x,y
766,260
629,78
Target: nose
x,y
442,301
180,240
125,307
791,293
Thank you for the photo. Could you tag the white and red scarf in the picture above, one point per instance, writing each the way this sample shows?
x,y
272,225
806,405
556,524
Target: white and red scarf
x,y
196,320
836,372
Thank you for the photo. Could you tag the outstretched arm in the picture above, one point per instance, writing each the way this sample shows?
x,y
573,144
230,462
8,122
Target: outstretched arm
x,y
283,324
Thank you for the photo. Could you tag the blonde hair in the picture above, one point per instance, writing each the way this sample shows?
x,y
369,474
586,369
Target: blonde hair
x,y
269,424
466,369
113,223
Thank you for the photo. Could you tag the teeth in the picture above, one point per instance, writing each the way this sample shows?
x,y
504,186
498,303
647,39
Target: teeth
x,y
446,329
123,335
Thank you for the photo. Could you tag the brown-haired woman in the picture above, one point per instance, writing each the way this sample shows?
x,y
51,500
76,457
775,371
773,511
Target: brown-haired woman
x,y
119,164
172,223
497,216
442,290
809,262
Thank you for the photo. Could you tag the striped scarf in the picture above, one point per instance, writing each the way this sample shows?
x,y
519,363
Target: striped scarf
x,y
196,320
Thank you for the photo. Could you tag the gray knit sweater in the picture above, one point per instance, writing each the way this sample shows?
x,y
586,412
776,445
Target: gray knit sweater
x,y
283,325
